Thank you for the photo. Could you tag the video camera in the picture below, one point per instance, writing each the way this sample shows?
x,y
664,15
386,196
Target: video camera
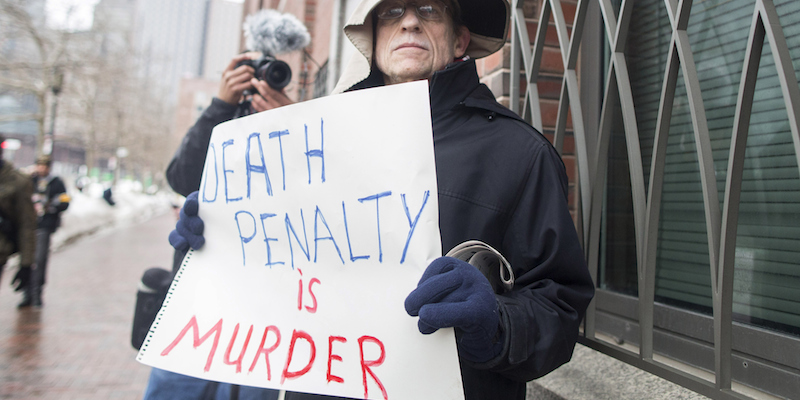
x,y
272,33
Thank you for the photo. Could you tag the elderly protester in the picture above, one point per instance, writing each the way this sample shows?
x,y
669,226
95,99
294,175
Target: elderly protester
x,y
499,181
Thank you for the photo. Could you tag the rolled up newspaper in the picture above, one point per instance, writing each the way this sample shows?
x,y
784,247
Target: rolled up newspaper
x,y
489,261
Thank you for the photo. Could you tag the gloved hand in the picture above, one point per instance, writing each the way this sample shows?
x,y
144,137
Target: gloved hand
x,y
22,278
188,230
452,293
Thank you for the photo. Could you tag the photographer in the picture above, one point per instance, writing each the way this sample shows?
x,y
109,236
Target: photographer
x,y
184,174
244,89
186,167
252,82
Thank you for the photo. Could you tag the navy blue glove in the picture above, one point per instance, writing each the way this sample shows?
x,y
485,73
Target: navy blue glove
x,y
452,293
189,228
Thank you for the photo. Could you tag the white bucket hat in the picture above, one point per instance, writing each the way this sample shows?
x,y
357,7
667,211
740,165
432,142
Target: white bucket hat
x,y
487,21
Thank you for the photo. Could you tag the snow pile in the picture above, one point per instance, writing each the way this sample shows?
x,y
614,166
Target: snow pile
x,y
89,213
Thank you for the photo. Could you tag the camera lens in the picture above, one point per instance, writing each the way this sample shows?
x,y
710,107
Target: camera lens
x,y
276,73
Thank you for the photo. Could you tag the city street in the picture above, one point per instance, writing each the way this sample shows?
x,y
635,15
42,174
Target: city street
x,y
78,345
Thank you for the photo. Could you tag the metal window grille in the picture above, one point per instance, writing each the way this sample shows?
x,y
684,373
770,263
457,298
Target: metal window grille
x,y
746,360
320,81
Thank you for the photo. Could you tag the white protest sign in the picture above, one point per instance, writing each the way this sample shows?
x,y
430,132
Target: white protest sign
x,y
320,218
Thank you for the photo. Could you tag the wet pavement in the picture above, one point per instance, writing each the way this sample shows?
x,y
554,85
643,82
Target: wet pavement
x,y
77,346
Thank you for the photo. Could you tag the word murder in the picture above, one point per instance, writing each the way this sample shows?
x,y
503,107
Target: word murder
x,y
270,226
371,353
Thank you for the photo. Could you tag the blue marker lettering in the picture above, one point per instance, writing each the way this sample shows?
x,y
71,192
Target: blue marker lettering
x,y
290,227
268,239
412,225
242,238
376,197
278,134
216,176
316,153
347,233
225,171
317,218
261,169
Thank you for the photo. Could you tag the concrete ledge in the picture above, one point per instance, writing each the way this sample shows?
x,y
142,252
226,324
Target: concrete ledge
x,y
591,375
535,391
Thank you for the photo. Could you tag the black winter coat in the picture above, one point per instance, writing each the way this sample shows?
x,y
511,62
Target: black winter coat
x,y
501,181
51,193
186,167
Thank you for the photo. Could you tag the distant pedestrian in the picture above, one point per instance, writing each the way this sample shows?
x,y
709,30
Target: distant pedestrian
x,y
107,197
82,182
17,221
50,199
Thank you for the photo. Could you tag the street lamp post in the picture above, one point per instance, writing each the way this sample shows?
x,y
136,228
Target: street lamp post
x,y
58,82
122,152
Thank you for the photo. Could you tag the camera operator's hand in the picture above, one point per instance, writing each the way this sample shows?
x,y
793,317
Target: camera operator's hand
x,y
270,98
235,79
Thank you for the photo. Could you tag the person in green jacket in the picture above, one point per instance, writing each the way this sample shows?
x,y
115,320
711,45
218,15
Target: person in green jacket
x,y
17,221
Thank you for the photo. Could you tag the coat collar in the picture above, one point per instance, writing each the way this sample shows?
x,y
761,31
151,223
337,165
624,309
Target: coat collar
x,y
451,86
458,85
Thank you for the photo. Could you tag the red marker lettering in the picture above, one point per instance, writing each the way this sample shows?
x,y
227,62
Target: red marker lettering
x,y
298,335
313,308
300,292
238,362
366,365
197,340
266,351
331,377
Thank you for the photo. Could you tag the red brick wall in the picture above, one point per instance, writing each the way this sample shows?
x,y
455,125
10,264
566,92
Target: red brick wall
x,y
494,72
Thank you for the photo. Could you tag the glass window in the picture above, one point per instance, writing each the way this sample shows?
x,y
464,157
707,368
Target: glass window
x,y
767,266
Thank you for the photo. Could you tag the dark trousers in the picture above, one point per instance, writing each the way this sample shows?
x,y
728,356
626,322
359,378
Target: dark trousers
x,y
38,275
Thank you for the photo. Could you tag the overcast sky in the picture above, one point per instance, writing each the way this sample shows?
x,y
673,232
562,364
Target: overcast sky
x,y
75,14
70,14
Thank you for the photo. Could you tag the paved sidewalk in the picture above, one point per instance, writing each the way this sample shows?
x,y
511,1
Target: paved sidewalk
x,y
78,345
591,375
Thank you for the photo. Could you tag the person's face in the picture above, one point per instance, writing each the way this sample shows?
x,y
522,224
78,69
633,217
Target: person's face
x,y
42,169
411,48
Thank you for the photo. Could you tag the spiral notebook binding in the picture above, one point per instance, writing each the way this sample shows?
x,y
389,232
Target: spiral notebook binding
x,y
175,281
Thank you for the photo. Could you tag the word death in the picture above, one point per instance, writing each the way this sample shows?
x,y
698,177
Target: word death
x,y
271,343
251,160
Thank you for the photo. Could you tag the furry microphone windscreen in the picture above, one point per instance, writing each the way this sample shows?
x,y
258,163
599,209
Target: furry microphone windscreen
x,y
271,32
